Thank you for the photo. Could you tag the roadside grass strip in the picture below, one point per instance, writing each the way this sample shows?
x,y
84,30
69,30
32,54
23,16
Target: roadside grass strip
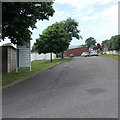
x,y
24,72
114,56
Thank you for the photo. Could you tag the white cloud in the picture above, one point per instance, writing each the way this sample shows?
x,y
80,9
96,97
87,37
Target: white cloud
x,y
107,1
112,11
59,16
101,25
83,3
41,25
6,41
109,13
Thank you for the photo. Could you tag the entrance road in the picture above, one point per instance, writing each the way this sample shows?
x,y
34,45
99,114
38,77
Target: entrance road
x,y
79,88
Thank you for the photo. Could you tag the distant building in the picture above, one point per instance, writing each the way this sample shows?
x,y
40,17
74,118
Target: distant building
x,y
75,51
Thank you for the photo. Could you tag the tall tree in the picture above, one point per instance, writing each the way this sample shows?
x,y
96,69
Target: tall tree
x,y
90,42
105,43
52,40
71,27
114,43
19,17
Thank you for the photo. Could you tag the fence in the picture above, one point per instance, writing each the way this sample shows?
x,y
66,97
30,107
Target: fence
x,y
9,58
113,52
36,56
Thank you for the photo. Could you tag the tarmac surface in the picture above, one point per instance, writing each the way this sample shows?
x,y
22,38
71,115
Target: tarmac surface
x,y
80,88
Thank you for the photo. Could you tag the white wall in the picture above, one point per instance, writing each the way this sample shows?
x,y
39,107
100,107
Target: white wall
x,y
36,56
113,52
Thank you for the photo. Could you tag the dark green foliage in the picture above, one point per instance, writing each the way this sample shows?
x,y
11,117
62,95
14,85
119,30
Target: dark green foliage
x,y
18,17
90,42
114,43
105,43
70,26
33,49
57,37
52,40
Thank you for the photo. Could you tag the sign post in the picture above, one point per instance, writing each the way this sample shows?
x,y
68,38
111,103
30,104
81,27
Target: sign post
x,y
17,60
23,56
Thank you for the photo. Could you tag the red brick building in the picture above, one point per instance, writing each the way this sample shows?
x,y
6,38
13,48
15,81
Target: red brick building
x,y
75,51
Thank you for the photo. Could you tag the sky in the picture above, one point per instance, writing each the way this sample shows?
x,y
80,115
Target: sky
x,y
96,18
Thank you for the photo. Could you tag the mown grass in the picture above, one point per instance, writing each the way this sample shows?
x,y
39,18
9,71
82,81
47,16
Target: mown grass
x,y
114,56
24,72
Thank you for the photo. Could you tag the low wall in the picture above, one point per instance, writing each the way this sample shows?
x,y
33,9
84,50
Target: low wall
x,y
113,52
36,56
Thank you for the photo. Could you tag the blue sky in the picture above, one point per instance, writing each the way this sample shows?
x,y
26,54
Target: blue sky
x,y
96,18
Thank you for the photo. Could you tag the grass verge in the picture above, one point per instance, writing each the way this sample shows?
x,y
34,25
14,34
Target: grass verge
x,y
114,56
24,72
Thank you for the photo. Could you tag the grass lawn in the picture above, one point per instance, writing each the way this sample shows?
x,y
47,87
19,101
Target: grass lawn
x,y
24,72
116,57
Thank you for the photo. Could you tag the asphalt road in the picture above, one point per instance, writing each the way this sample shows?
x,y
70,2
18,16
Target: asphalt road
x,y
80,88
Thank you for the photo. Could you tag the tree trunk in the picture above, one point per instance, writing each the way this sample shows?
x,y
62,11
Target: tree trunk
x,y
50,57
62,55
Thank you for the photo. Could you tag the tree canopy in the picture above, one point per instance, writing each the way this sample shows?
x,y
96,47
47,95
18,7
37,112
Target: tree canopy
x,y
52,40
105,43
71,27
114,43
19,17
57,37
90,42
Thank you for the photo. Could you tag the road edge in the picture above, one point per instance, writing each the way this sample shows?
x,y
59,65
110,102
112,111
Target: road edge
x,y
28,77
113,59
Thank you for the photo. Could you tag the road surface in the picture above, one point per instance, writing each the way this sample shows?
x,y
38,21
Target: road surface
x,y
79,88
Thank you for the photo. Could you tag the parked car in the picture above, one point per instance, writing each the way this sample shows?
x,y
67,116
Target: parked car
x,y
93,53
85,54
71,55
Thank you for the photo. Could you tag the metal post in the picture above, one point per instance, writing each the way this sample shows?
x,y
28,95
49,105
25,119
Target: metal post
x,y
30,57
16,59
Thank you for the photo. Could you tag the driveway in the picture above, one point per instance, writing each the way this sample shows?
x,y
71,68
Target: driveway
x,y
79,88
